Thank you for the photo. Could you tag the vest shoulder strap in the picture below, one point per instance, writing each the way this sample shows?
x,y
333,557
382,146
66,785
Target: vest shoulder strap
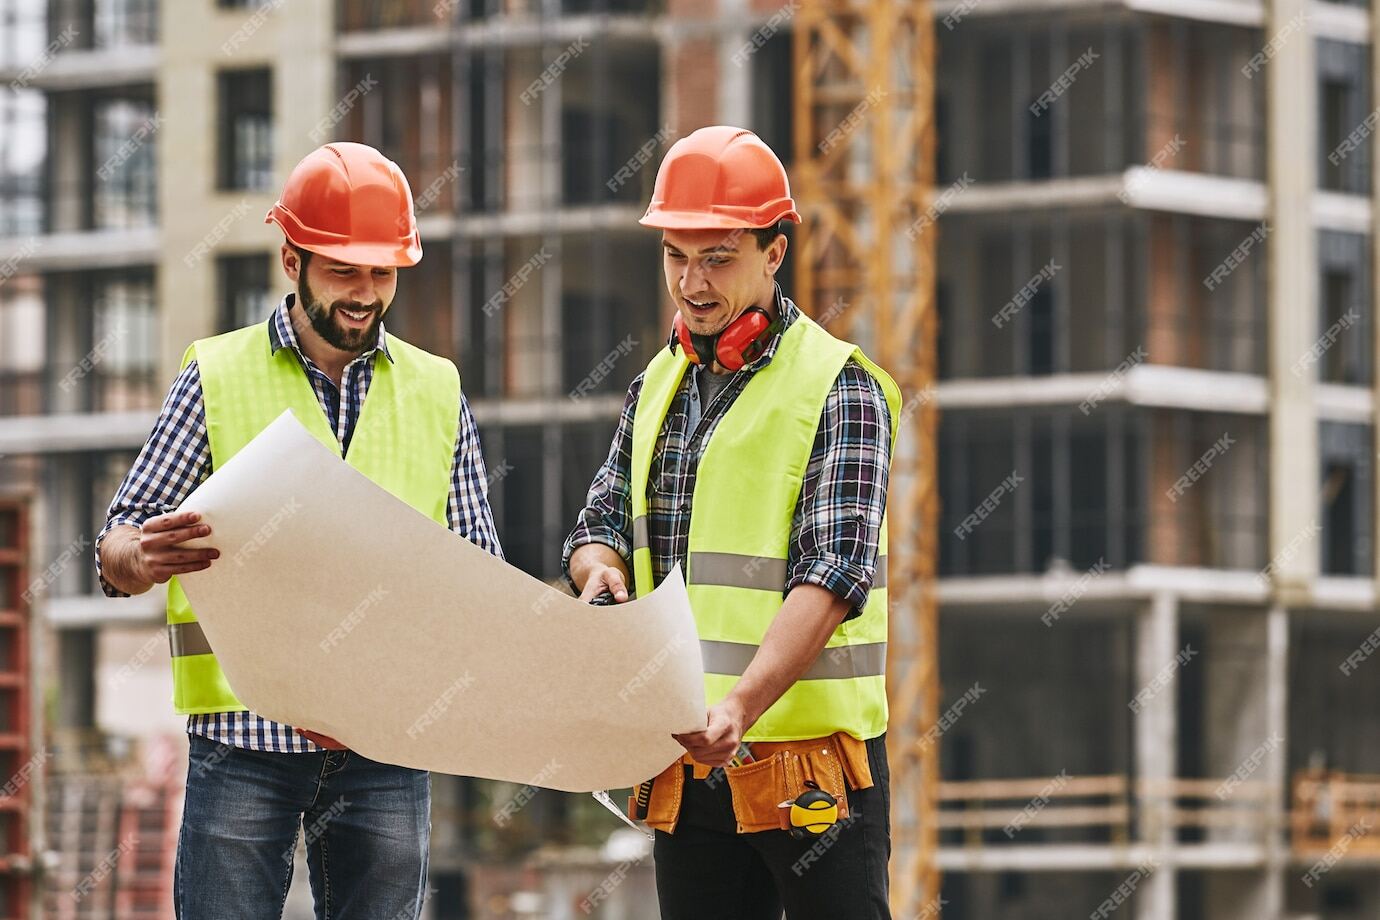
x,y
420,360
227,344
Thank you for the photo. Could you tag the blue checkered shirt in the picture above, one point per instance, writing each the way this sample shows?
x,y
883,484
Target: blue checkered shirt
x,y
177,457
838,516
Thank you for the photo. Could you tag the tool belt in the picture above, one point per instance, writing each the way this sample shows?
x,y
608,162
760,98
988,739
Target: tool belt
x,y
778,775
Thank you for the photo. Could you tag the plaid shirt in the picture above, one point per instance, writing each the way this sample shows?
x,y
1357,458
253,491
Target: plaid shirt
x,y
838,515
177,457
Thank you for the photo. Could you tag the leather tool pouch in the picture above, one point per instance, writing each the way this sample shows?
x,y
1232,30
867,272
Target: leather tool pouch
x,y
778,775
835,764
664,809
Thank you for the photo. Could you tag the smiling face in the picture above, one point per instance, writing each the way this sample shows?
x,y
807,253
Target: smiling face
x,y
344,302
715,275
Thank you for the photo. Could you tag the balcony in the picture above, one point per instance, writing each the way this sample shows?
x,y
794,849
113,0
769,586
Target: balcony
x,y
32,392
103,44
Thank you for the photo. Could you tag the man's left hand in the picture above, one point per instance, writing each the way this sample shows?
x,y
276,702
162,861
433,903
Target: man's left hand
x,y
717,743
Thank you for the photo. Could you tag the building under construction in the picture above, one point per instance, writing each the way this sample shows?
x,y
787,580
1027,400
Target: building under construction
x,y
1156,351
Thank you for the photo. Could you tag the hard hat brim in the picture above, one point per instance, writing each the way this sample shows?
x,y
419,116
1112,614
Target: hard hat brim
x,y
370,254
355,253
701,220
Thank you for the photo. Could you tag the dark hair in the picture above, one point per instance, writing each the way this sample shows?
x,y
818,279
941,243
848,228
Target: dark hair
x,y
767,235
302,254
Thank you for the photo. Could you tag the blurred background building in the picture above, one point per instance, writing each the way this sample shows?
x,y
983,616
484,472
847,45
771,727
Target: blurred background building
x,y
1157,371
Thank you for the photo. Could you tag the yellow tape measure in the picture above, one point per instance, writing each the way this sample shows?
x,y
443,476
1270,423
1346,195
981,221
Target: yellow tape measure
x,y
814,811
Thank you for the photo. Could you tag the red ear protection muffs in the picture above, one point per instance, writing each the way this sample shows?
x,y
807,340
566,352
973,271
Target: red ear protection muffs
x,y
740,343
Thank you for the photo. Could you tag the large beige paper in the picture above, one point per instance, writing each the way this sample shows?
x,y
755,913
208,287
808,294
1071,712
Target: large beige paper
x,y
337,608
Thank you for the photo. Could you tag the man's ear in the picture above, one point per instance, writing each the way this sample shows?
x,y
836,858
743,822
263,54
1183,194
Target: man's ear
x,y
776,254
292,262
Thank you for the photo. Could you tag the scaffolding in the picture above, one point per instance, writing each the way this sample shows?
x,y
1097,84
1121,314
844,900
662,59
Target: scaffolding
x,y
864,173
18,760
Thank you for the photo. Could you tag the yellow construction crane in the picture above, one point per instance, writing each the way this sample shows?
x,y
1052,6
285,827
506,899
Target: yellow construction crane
x,y
865,266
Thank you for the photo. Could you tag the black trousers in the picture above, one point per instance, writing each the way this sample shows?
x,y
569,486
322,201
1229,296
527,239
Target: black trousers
x,y
707,869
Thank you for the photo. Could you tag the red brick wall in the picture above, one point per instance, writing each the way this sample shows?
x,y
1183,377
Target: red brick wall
x,y
692,81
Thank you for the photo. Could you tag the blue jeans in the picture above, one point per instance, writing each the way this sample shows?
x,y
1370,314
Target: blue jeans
x,y
367,827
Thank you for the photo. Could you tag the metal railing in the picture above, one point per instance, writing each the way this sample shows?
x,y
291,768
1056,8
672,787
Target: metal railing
x,y
1328,812
1112,809
1331,807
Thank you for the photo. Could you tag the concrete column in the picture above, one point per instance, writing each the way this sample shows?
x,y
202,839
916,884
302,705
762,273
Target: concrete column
x,y
1246,656
1291,89
1276,767
1239,896
70,175
549,287
532,174
1156,747
1236,698
1375,305
527,187
735,75
67,310
67,508
77,665
530,317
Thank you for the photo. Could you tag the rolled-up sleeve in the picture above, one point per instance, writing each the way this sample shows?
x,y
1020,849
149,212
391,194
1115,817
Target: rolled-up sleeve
x,y
607,515
174,460
838,518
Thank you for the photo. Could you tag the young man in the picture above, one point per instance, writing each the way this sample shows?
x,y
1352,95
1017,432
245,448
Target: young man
x,y
754,452
253,784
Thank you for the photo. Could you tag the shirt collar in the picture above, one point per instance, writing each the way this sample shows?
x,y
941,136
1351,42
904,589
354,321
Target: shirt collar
x,y
281,334
789,313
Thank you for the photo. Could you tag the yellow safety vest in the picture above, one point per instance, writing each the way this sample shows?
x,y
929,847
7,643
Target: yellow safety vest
x,y
746,489
404,440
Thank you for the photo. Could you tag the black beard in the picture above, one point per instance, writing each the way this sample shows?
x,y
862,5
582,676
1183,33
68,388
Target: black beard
x,y
322,319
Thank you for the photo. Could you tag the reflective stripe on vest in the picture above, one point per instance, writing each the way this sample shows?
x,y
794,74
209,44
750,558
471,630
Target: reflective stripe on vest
x,y
757,573
187,639
739,571
747,486
838,663
404,440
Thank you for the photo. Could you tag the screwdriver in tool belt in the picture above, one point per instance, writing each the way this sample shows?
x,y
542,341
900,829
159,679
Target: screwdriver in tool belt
x,y
744,756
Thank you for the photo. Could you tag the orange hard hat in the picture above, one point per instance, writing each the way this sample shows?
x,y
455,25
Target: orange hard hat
x,y
720,177
351,203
